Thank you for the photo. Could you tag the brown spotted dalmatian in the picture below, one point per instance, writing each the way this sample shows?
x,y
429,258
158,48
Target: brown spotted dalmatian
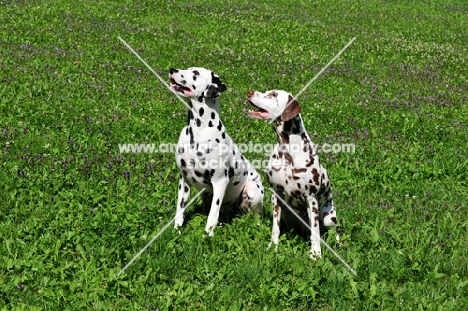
x,y
206,156
294,170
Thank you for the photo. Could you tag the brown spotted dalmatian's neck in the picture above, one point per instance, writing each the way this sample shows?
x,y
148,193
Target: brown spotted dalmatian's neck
x,y
293,132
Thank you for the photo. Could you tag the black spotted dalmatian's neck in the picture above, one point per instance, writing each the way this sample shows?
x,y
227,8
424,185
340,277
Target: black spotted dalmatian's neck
x,y
203,117
293,132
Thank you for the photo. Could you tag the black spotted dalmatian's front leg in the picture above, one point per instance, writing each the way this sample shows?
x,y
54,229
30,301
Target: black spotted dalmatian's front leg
x,y
275,231
314,222
219,189
182,199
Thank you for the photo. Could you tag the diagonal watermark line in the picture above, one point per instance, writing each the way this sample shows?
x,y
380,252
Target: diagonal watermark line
x,y
159,233
316,76
325,68
158,76
321,240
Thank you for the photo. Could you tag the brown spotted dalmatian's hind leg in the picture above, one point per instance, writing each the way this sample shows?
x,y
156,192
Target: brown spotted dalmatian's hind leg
x,y
275,231
182,199
328,215
313,212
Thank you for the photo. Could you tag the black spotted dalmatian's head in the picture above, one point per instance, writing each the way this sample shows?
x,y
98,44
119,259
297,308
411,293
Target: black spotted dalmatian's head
x,y
196,82
273,105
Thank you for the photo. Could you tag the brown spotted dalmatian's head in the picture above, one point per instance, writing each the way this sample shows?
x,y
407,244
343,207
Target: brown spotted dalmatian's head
x,y
196,82
273,105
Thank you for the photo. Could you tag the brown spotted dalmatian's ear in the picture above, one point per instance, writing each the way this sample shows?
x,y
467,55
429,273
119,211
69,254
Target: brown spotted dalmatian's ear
x,y
292,110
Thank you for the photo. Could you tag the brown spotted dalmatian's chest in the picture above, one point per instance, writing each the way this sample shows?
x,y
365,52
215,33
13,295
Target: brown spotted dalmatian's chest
x,y
294,170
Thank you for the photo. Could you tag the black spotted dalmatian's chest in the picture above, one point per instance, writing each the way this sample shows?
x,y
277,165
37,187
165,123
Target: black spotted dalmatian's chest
x,y
203,157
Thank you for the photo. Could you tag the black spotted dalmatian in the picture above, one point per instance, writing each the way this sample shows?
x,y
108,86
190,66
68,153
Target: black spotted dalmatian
x,y
206,156
294,170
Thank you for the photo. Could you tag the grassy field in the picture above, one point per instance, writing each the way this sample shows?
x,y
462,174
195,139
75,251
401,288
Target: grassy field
x,y
74,210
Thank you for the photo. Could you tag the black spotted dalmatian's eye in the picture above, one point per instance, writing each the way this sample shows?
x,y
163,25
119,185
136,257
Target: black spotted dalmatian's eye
x,y
195,72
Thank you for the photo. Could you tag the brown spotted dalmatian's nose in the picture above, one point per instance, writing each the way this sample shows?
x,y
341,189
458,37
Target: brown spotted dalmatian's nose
x,y
250,93
173,70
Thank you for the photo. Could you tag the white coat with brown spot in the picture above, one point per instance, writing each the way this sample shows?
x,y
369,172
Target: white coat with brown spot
x,y
294,169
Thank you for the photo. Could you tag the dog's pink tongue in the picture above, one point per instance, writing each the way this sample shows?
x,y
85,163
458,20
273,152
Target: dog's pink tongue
x,y
259,114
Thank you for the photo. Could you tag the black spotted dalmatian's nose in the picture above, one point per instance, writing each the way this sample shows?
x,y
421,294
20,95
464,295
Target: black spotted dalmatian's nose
x,y
173,70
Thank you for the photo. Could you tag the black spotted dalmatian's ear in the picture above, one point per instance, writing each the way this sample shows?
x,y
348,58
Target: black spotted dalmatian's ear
x,y
292,110
215,88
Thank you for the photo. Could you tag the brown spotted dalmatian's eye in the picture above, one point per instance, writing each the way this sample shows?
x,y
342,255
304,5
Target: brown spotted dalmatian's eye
x,y
272,94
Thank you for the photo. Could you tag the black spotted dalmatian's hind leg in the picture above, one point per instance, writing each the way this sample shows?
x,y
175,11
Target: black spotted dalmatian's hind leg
x,y
252,197
182,199
313,213
275,231
328,215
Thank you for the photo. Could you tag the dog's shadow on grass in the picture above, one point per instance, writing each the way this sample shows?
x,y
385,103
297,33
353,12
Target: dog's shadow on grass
x,y
290,226
226,215
293,227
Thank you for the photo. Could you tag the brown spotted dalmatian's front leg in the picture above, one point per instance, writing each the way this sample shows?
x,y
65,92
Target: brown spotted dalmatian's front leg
x,y
313,213
275,231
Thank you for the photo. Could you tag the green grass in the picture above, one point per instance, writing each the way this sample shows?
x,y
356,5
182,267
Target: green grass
x,y
73,211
